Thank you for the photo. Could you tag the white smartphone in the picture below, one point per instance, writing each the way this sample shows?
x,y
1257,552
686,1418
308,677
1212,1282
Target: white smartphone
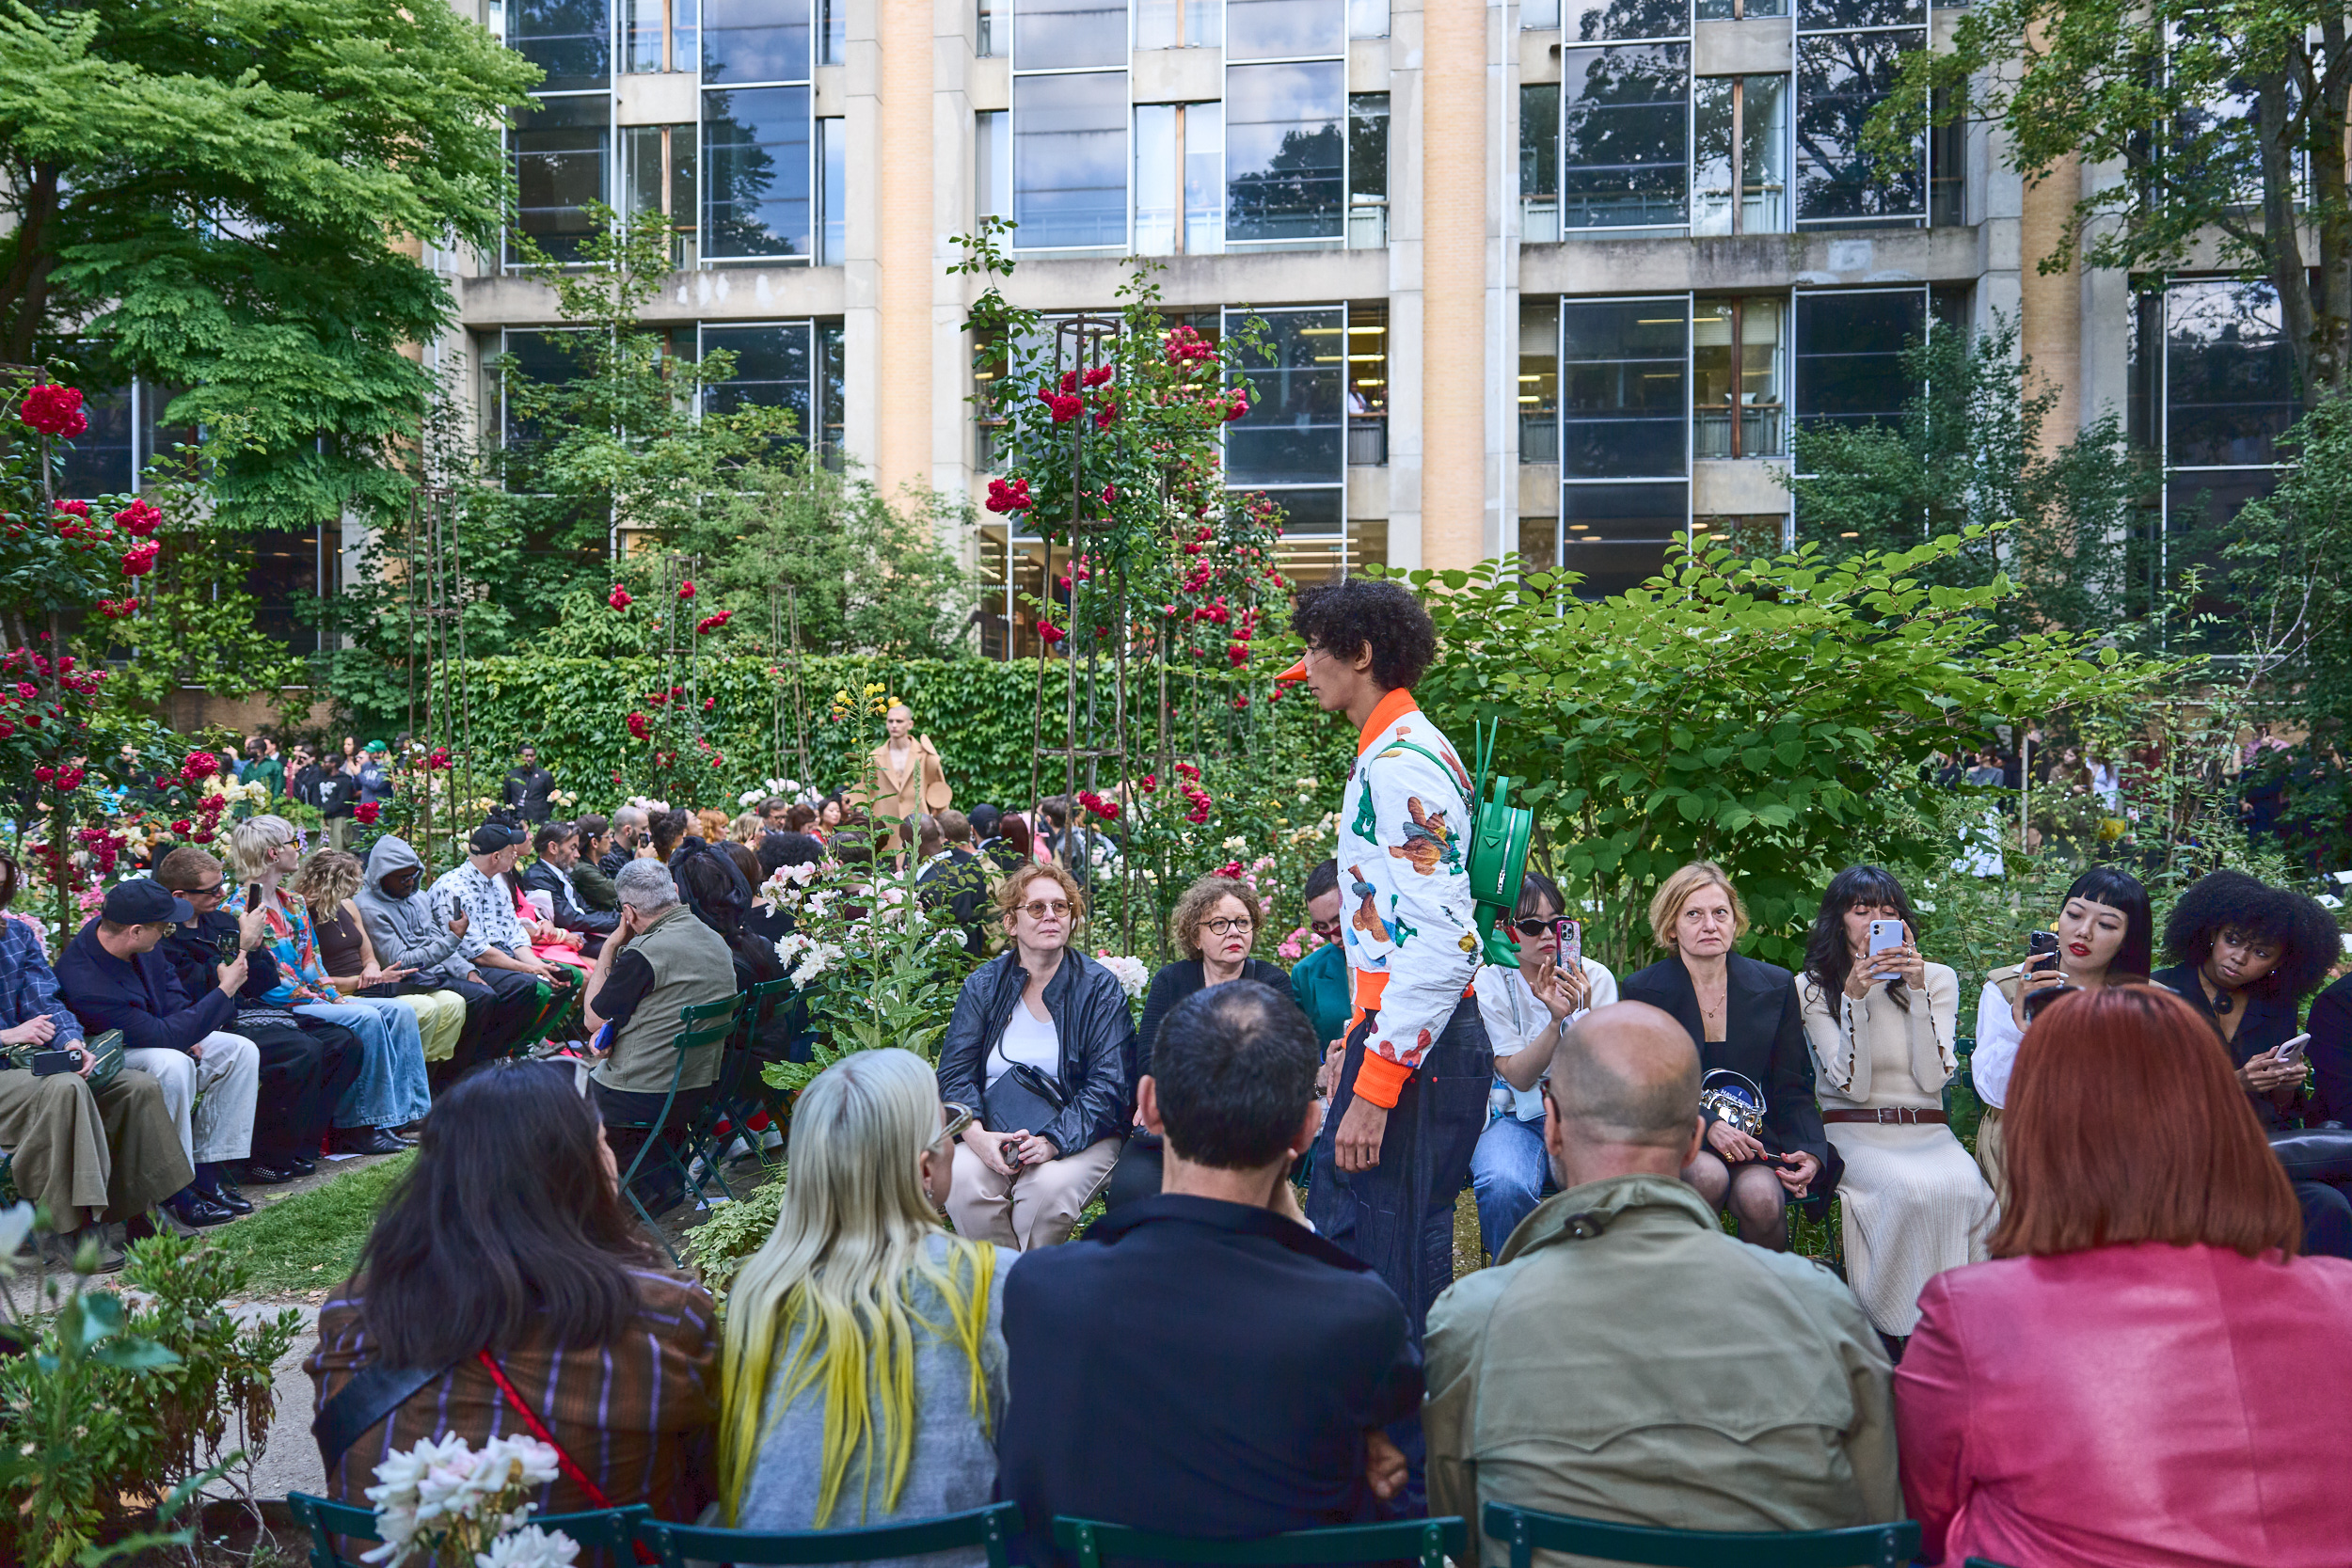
x,y
1886,935
2291,1050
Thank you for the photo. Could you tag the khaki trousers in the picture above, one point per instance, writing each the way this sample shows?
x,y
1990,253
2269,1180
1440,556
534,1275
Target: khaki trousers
x,y
115,1150
1988,1158
1036,1206
441,1019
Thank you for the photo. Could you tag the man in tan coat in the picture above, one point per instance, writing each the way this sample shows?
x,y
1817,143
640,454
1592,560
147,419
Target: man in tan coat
x,y
908,779
1625,1359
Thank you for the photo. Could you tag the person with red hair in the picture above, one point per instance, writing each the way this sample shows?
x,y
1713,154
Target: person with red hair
x,y
2146,1373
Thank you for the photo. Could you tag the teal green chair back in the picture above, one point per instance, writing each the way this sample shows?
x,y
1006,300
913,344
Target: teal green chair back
x,y
704,1025
609,1529
1426,1541
1526,1532
992,1528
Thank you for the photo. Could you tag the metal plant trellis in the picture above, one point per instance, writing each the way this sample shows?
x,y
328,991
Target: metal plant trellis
x,y
436,653
784,645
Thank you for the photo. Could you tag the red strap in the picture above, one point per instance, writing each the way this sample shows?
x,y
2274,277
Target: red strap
x,y
564,1461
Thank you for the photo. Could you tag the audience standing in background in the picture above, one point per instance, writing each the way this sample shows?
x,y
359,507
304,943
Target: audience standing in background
x,y
864,1366
1881,1026
1525,1009
339,796
505,1255
1038,1043
2244,955
1743,1016
304,782
2147,1374
1625,1359
1202,1363
1215,924
2106,936
267,767
90,1154
1319,981
113,979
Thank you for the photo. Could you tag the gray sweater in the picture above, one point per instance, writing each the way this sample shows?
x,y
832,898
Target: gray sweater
x,y
954,1464
406,933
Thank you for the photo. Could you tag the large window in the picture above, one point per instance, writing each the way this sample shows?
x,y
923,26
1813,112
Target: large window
x,y
571,40
1625,134
1539,162
1068,35
1179,179
562,148
2228,392
757,202
1850,355
1740,167
660,35
1070,160
1847,56
1623,381
755,41
1285,150
1367,170
1284,29
1738,369
1292,433
1180,24
659,169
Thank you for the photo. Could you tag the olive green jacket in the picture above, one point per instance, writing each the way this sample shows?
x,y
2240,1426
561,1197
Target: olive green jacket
x,y
1624,1359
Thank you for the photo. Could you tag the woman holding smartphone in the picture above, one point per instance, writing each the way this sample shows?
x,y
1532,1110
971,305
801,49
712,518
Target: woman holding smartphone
x,y
2104,936
1881,1020
2246,954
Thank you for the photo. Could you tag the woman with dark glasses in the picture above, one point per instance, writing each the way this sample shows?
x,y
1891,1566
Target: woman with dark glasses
x,y
1039,1042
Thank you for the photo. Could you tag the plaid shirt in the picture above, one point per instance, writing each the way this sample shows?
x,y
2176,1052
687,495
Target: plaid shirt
x,y
28,986
638,1415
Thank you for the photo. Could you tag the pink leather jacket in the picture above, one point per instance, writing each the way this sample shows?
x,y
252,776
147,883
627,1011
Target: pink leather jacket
x,y
2140,1406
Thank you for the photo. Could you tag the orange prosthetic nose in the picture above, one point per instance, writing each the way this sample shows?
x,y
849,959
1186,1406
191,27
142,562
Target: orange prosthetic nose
x,y
1295,673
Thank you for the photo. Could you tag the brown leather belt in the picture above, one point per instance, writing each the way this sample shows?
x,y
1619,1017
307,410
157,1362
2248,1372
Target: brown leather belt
x,y
1891,1116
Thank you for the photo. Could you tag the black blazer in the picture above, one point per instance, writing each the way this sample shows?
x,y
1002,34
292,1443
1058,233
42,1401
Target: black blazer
x,y
1181,980
1763,1039
2269,1024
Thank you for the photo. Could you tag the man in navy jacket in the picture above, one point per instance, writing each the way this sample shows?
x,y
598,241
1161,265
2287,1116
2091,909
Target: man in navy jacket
x,y
1201,1363
112,977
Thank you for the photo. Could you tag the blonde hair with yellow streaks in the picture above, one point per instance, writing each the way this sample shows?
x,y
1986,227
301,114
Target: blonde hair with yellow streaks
x,y
853,1234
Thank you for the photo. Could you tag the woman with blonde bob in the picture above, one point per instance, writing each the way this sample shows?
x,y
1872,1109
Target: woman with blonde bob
x,y
864,1350
1744,1018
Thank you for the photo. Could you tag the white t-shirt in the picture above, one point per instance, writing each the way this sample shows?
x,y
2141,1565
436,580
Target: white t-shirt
x,y
1515,1019
1026,1038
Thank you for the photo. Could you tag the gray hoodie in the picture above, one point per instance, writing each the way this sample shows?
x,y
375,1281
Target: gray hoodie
x,y
406,932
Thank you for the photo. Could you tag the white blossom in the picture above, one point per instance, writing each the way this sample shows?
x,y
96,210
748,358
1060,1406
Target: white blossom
x,y
1129,973
530,1547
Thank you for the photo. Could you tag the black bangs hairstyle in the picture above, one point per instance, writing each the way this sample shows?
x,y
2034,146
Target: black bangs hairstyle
x,y
1828,958
2118,889
505,1231
1356,613
2303,929
1536,890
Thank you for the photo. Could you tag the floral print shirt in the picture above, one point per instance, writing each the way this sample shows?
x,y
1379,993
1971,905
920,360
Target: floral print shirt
x,y
301,978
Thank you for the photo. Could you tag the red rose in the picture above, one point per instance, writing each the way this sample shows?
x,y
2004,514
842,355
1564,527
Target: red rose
x,y
619,598
44,773
181,826
1099,376
80,509
140,559
27,690
199,765
53,410
1050,633
709,702
639,725
200,837
6,729
1149,783
138,518
686,589
368,811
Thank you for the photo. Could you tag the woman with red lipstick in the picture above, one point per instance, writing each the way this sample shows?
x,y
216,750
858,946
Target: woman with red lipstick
x,y
2246,956
2107,937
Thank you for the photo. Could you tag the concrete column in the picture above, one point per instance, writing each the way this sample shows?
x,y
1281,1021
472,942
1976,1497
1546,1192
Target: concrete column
x,y
902,208
1454,325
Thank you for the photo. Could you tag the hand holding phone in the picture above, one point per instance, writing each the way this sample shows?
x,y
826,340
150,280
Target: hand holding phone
x,y
2290,1052
1570,937
1886,935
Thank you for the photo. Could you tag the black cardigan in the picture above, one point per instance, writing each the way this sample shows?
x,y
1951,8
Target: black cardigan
x,y
1172,984
1763,1039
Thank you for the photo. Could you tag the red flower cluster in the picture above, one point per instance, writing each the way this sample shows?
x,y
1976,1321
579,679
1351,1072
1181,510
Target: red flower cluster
x,y
117,609
1187,346
1149,783
639,726
1239,406
80,509
1188,782
1065,405
1231,868
1107,810
1050,633
709,702
139,518
710,624
67,778
619,598
1099,377
685,590
198,766
139,559
1009,496
436,760
53,410
106,848
366,812
1106,416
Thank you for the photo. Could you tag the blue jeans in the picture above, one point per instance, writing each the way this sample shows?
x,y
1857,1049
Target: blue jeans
x,y
1510,1174
391,1090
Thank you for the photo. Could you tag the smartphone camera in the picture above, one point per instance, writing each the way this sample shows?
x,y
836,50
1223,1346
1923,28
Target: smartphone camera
x,y
1570,935
2042,950
48,1064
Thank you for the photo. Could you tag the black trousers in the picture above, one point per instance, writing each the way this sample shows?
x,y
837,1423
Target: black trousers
x,y
306,1068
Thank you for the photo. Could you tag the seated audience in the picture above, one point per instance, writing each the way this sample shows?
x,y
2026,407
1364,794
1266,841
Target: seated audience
x,y
1215,924
1039,1042
89,1154
629,836
2244,955
2146,1373
1628,1361
392,1090
113,979
660,961
496,936
1882,1030
776,851
770,811
1319,981
799,818
407,929
562,856
326,884
1202,1363
507,1245
307,1066
1741,1014
559,949
2330,1023
1524,1011
746,827
831,815
864,1364
953,878
592,887
2105,935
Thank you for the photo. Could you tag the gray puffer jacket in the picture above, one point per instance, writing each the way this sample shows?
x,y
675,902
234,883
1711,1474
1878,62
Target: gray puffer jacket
x,y
407,932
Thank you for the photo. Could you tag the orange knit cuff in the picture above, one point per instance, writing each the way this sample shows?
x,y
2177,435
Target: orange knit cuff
x,y
1381,1080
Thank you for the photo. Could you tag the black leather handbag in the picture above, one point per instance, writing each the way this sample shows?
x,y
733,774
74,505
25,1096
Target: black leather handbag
x,y
1022,1100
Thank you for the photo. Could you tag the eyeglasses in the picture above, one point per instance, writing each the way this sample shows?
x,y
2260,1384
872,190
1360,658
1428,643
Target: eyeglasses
x,y
954,1119
212,892
1046,908
1225,924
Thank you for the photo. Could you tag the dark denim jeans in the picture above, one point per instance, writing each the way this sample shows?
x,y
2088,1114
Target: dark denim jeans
x,y
1398,1217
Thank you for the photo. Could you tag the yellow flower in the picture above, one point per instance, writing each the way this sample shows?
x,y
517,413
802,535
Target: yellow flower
x,y
872,687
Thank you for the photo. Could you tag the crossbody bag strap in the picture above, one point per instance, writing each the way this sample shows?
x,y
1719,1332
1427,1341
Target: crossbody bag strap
x,y
563,1460
370,1396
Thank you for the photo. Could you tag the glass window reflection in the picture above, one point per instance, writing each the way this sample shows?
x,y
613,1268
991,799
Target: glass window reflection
x,y
1070,160
1616,535
1623,367
2228,378
755,41
1736,368
1603,20
1625,136
1059,35
569,39
756,193
771,368
1296,430
1841,77
1284,29
1285,156
562,146
1850,367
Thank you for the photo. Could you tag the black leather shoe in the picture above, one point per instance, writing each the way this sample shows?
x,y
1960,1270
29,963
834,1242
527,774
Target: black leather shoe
x,y
259,1173
231,1199
196,1211
302,1165
366,1140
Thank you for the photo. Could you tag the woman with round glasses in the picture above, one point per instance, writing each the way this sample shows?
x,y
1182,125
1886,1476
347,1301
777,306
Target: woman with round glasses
x,y
1215,924
1039,1042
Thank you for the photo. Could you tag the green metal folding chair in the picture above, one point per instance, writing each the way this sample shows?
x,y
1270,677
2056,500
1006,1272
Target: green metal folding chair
x,y
610,1529
737,1095
1526,1532
1426,1541
992,1528
704,1026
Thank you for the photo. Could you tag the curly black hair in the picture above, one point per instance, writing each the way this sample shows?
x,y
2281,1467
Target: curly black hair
x,y
1358,613
2309,942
